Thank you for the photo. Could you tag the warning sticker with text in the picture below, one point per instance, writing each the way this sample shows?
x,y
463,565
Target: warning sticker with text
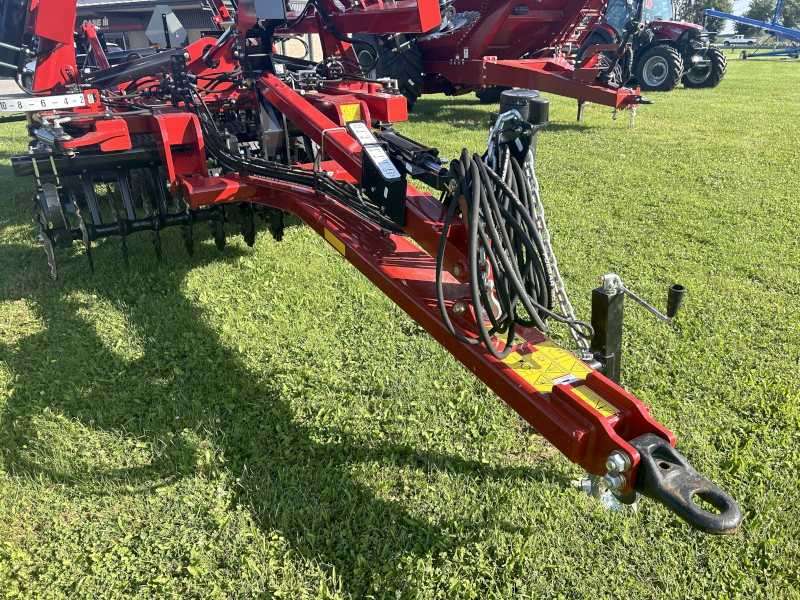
x,y
545,365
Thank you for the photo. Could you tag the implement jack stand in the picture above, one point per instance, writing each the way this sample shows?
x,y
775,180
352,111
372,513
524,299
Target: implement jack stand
x,y
607,315
581,105
607,307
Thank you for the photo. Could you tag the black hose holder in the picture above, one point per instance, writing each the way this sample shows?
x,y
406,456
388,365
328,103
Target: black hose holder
x,y
522,133
674,299
532,108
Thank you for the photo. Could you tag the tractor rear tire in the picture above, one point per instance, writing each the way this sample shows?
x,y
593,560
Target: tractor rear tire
x,y
604,61
405,67
659,69
711,77
622,73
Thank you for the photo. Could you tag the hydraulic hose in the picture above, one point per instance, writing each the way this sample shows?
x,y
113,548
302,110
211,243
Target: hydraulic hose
x,y
508,266
342,192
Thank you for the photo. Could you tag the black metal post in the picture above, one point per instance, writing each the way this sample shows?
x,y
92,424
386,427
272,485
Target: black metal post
x,y
607,316
166,30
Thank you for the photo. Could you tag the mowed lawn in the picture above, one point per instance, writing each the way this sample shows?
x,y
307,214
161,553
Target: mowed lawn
x,y
264,423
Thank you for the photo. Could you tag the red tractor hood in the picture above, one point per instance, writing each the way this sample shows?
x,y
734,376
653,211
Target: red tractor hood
x,y
672,30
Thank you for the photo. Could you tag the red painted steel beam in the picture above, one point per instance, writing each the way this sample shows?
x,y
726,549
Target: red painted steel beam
x,y
484,33
548,75
54,20
55,67
97,49
388,108
331,137
406,274
386,17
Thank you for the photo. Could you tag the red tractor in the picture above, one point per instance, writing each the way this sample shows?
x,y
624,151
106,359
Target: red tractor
x,y
488,47
663,52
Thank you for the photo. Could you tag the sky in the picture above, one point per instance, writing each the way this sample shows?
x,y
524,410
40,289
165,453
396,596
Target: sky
x,y
739,6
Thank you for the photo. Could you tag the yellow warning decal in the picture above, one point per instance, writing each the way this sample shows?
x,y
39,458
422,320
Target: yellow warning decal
x,y
545,365
518,339
351,112
335,242
591,398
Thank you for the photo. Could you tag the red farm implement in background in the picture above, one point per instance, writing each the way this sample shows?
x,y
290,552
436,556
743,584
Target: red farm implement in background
x,y
227,130
488,47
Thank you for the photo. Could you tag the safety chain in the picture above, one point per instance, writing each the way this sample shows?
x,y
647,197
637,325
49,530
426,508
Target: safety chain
x,y
564,305
633,115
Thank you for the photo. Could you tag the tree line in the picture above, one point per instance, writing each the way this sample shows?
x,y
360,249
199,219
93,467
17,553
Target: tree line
x,y
759,10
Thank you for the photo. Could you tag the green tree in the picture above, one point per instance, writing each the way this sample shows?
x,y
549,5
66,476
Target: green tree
x,y
790,15
764,10
760,10
692,12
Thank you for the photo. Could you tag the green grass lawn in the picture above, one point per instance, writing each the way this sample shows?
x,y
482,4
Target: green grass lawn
x,y
264,423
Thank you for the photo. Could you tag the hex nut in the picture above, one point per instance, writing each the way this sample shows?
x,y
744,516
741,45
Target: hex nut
x,y
618,461
614,481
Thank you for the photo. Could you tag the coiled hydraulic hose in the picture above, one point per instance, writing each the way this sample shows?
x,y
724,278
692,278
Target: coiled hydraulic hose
x,y
508,265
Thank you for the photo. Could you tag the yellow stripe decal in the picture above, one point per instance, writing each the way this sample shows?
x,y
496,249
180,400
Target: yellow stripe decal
x,y
591,398
335,242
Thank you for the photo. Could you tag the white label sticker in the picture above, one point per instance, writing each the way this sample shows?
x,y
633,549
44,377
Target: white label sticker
x,y
362,133
382,160
466,53
28,104
519,145
569,378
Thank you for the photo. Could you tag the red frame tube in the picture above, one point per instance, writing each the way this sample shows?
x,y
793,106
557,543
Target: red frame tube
x,y
406,274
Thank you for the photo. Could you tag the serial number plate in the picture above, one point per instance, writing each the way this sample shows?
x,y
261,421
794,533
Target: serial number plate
x,y
28,104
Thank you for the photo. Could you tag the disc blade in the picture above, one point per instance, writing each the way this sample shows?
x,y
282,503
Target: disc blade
x,y
47,241
87,242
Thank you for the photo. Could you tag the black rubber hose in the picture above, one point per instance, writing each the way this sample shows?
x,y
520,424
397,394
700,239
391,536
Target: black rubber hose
x,y
502,229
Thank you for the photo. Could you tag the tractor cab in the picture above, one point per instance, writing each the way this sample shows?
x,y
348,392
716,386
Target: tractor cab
x,y
619,12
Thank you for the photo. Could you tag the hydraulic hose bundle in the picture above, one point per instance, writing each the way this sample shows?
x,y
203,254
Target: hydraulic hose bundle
x,y
343,192
509,269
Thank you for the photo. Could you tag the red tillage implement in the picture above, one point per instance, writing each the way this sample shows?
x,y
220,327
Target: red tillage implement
x,y
227,130
489,46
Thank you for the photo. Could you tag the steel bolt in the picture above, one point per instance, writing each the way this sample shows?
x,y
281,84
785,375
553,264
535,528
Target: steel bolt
x,y
618,461
459,308
614,481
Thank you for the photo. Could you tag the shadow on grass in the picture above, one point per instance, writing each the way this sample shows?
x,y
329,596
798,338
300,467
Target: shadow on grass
x,y
293,483
466,112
